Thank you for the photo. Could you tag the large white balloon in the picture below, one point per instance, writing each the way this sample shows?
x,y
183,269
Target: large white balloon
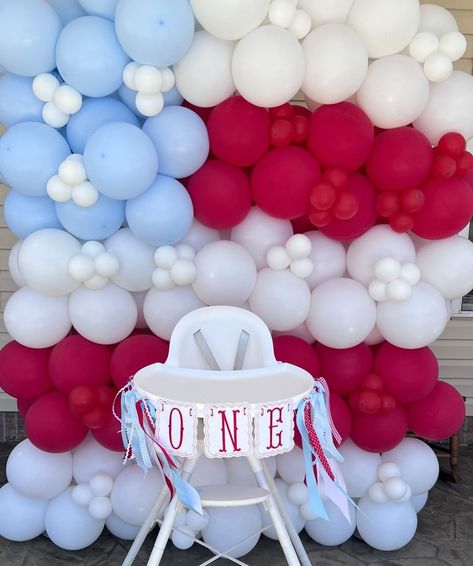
x,y
436,19
359,468
336,530
199,236
290,465
300,331
43,261
226,274
21,518
35,473
415,322
105,316
268,66
231,19
280,298
385,26
210,471
329,257
35,320
342,314
91,458
71,526
204,75
378,242
293,510
336,63
395,91
13,268
419,501
449,108
326,12
121,529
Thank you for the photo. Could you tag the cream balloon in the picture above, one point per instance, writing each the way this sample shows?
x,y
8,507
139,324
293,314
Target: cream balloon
x,y
436,19
326,12
329,258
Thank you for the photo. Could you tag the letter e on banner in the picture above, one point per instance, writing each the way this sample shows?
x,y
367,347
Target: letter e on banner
x,y
274,429
176,428
227,430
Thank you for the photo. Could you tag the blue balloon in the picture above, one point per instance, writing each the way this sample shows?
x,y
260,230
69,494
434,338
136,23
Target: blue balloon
x,y
120,160
163,214
155,32
95,113
89,56
171,98
30,154
181,140
25,215
67,10
103,8
95,222
17,101
28,33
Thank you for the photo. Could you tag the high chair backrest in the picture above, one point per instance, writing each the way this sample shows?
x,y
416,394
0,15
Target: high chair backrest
x,y
221,327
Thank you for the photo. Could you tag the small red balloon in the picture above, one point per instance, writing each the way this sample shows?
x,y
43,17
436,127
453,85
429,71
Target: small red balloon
x,y
464,163
443,167
401,221
284,111
412,200
387,203
301,128
105,395
379,432
388,403
372,382
337,177
452,145
323,196
369,402
109,434
82,399
320,218
95,418
346,205
282,132
298,352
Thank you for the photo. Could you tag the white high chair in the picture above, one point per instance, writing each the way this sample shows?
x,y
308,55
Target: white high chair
x,y
238,348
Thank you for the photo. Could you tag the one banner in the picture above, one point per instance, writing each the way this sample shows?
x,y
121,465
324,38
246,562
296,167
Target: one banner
x,y
227,430
274,429
176,428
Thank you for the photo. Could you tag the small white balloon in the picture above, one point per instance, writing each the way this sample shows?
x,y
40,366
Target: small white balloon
x,y
298,246
53,116
378,290
395,488
148,80
100,508
107,264
85,194
81,267
67,99
195,521
388,470
58,190
376,493
183,537
96,282
101,484
302,267
278,258
290,466
301,24
149,104
82,494
410,273
44,86
72,172
438,67
165,256
168,80
162,279
423,44
129,75
183,272
453,44
387,269
282,13
407,496
92,248
298,493
307,513
398,290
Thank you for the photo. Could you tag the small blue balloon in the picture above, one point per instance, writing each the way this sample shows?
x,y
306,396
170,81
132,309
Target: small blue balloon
x,y
95,222
181,140
67,10
25,215
89,56
120,160
95,113
30,154
155,32
163,214
17,101
102,8
28,33
173,97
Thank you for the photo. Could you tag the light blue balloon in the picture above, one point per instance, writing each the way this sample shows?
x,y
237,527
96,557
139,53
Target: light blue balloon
x,y
181,140
95,113
17,101
89,56
95,222
30,154
120,160
67,10
25,215
163,214
171,98
155,32
103,8
28,33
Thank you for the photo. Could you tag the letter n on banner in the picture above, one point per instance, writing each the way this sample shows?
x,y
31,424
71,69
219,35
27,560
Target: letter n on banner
x,y
227,430
274,429
176,428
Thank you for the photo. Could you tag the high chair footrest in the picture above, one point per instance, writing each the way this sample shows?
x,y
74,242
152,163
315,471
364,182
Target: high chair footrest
x,y
231,495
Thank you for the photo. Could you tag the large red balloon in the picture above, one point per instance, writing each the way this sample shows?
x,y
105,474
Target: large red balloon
x,y
78,361
439,415
379,432
50,425
340,135
298,352
135,353
24,371
448,208
238,131
341,416
344,369
220,194
109,435
401,158
409,375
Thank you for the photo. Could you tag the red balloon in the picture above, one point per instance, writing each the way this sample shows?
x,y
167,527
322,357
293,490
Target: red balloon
x,y
448,208
50,425
388,403
346,205
412,200
401,221
220,194
443,167
282,132
341,416
369,402
344,369
281,181
283,111
105,395
77,361
83,399
439,415
401,158
204,113
409,375
301,127
464,163
323,196
24,371
135,353
23,405
379,432
95,418
238,131
387,203
340,135
372,382
337,177
298,352
452,145
302,224
109,434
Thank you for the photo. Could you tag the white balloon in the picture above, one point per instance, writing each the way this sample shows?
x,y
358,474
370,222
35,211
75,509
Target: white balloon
x,y
204,74
107,264
21,518
410,273
35,473
96,282
13,265
92,248
100,508
35,320
82,495
377,494
149,104
129,75
326,12
121,529
162,279
302,267
448,109
378,290
199,236
72,172
342,314
395,488
210,471
182,537
284,289
259,232
298,493
453,44
293,511
91,458
67,99
197,522
438,67
395,91
301,24
105,316
388,470
336,530
43,261
81,267
329,258
424,44
165,256
290,466
183,272
101,484
58,190
336,63
437,20
148,79
282,12
268,66
225,274
44,86
70,526
385,26
359,468
398,290
300,331
416,322
53,117
278,258
419,501
374,337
